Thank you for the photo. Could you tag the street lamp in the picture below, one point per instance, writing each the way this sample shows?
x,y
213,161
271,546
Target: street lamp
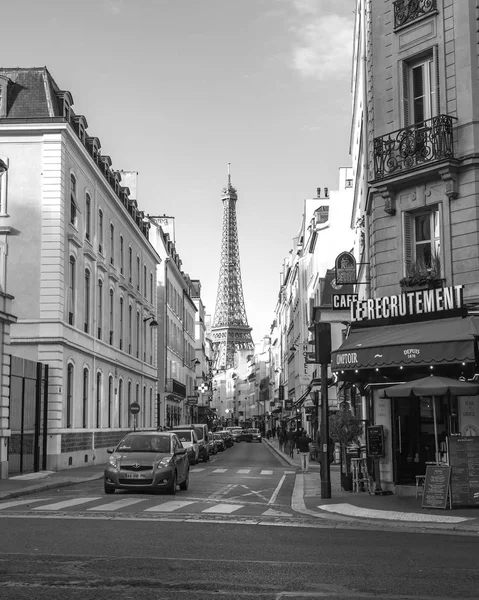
x,y
3,167
153,323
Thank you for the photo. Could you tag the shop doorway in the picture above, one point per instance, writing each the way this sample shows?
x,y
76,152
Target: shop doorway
x,y
413,435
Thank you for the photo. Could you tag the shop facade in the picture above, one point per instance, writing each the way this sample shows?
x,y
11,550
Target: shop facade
x,y
401,338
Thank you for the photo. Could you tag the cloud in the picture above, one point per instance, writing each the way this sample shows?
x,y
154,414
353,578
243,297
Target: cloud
x,y
113,6
323,47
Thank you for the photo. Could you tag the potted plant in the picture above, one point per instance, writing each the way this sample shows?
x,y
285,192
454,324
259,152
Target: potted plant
x,y
419,275
345,429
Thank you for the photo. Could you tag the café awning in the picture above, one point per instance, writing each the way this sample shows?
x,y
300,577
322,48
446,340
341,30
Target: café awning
x,y
443,341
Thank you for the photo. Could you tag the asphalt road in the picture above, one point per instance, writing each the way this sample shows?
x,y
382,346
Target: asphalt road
x,y
77,554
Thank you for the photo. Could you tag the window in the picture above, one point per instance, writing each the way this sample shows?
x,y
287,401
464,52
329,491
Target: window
x,y
138,273
121,323
86,304
145,288
420,89
122,258
112,309
130,264
98,400
151,408
144,407
110,399
88,217
73,200
129,403
3,188
151,288
85,398
422,241
151,345
100,308
71,291
69,415
112,244
120,403
137,335
144,340
100,231
130,327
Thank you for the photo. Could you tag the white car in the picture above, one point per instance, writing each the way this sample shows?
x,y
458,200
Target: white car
x,y
189,439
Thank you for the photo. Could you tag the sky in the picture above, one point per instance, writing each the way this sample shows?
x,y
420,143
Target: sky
x,y
177,89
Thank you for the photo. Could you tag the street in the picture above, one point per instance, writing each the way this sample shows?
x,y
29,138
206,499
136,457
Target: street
x,y
232,534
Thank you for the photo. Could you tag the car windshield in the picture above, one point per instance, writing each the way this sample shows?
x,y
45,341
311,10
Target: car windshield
x,y
144,443
184,436
199,432
218,436
254,430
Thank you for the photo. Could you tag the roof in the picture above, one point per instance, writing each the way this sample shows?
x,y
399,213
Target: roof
x,y
32,93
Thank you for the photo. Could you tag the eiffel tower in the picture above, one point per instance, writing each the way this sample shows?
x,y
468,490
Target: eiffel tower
x,y
230,331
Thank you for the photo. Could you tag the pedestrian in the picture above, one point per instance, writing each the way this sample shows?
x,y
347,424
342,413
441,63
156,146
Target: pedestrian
x,y
268,434
290,438
273,433
302,443
281,440
298,433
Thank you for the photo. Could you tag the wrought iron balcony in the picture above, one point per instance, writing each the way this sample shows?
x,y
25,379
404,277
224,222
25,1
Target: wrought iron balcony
x,y
406,11
414,146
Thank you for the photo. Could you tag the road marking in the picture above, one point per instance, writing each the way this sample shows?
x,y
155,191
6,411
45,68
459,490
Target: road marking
x,y
21,502
117,504
266,473
222,491
276,491
169,506
198,470
220,470
275,513
245,471
372,513
65,504
251,492
290,472
223,508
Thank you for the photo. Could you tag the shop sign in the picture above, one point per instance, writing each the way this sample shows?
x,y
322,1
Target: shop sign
x,y
410,306
191,400
281,392
345,267
288,404
343,301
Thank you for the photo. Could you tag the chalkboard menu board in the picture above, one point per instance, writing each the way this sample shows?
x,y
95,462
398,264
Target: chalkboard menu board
x,y
436,487
375,440
464,460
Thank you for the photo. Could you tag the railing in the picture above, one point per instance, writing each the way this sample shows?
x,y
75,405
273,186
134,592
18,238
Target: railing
x,y
406,11
413,146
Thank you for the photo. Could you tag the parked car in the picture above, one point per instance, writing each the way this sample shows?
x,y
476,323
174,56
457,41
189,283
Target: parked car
x,y
228,438
189,439
219,441
235,432
245,436
148,461
212,447
255,434
201,433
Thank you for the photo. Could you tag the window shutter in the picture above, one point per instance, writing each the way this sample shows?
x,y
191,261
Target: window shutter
x,y
405,92
407,241
435,82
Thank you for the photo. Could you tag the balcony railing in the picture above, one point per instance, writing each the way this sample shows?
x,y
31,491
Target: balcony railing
x,y
406,11
413,146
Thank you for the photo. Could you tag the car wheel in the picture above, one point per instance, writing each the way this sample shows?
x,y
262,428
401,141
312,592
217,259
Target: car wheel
x,y
184,484
172,489
109,489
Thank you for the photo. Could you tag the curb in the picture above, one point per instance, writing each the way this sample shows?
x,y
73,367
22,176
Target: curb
x,y
47,486
282,455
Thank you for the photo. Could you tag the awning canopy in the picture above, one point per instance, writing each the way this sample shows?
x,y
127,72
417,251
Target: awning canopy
x,y
444,341
302,398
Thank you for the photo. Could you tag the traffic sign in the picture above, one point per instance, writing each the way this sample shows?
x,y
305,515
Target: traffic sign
x,y
134,408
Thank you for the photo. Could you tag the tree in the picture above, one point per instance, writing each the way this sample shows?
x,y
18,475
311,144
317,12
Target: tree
x,y
345,429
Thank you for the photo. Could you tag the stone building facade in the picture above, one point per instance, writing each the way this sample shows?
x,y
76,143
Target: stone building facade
x,y
78,263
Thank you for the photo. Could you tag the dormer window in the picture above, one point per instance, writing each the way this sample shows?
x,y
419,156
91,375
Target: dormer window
x,y
93,145
80,124
65,102
4,81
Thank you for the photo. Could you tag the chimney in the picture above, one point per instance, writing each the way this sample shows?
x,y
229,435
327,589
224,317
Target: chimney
x,y
326,192
318,192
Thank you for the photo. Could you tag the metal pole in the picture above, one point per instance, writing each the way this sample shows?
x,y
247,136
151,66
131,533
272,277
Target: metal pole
x,y
324,436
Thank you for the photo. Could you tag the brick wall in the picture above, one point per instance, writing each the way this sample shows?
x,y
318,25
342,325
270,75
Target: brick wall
x,y
72,442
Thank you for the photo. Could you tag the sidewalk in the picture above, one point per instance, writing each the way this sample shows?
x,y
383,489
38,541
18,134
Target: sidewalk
x,y
31,483
393,511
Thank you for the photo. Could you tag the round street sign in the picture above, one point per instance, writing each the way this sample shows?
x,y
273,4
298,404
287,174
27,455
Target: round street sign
x,y
134,408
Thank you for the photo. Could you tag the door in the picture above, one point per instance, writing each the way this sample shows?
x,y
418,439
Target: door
x,y
406,440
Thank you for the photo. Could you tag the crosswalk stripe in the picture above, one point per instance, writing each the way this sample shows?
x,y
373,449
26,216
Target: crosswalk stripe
x,y
220,470
65,504
117,504
170,506
245,471
20,503
266,473
223,508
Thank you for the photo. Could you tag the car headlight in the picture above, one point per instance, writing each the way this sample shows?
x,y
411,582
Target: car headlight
x,y
164,462
113,462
